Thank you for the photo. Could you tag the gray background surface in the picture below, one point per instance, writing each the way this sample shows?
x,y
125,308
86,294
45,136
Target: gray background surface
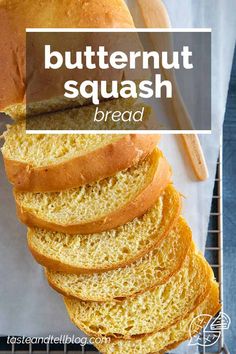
x,y
229,211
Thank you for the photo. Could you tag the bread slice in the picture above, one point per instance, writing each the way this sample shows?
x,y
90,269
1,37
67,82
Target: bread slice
x,y
100,206
107,250
153,269
172,336
151,311
47,163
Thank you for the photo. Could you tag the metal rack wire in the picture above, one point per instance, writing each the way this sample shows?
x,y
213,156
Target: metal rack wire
x,y
214,254
214,248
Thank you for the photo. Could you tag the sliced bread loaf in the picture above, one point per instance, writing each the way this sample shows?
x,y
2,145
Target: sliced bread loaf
x,y
172,336
153,269
101,205
47,163
111,249
151,311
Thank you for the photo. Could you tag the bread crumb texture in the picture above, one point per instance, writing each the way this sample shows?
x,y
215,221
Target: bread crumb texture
x,y
109,248
88,202
40,150
148,312
170,337
154,268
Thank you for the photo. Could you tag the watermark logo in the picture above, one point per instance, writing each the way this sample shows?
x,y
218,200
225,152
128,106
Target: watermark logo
x,y
212,330
61,339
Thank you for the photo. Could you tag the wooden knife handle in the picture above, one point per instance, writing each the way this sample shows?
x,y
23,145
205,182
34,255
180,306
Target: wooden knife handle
x,y
194,149
155,15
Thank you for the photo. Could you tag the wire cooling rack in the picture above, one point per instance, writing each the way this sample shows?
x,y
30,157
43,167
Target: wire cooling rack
x,y
214,250
214,254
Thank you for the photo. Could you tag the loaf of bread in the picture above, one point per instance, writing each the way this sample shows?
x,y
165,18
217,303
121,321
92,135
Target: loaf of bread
x,y
107,250
99,206
151,311
153,269
16,16
104,218
47,163
170,338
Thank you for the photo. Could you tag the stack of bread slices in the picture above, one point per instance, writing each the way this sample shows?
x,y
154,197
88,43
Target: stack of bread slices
x,y
104,219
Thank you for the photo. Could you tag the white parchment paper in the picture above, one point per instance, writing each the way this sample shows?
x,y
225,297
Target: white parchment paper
x,y
27,304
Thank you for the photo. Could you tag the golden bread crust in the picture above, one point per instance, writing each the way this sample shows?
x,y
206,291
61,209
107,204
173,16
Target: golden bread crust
x,y
145,199
201,296
171,209
16,16
85,169
209,306
186,244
